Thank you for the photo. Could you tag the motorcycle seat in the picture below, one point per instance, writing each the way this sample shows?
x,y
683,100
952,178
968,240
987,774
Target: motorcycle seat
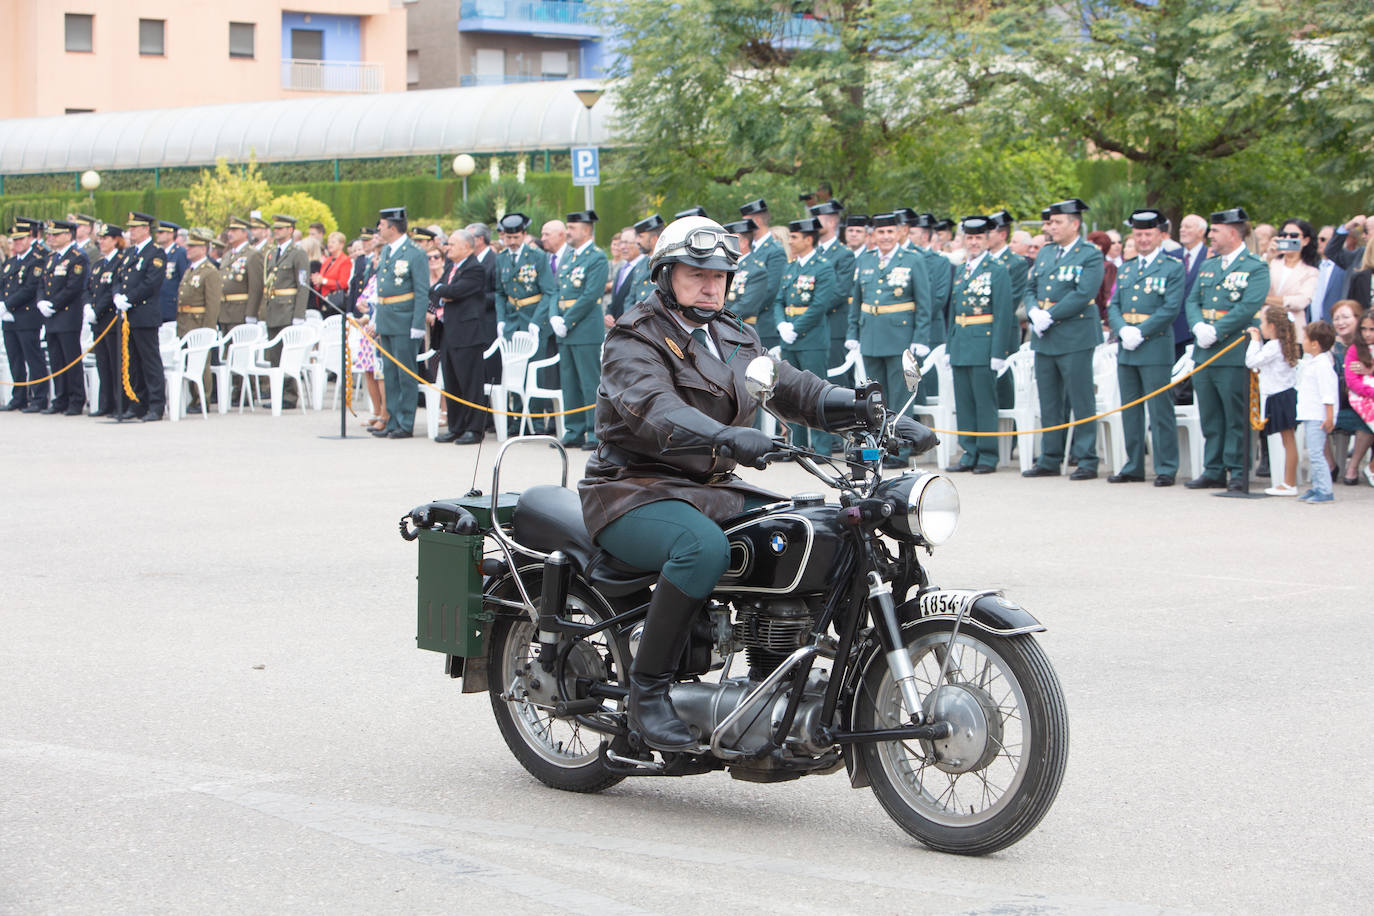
x,y
549,518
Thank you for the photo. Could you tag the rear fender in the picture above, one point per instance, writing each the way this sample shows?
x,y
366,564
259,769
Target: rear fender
x,y
993,614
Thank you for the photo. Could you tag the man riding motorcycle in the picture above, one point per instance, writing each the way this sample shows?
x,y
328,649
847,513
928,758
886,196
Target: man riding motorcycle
x,y
673,418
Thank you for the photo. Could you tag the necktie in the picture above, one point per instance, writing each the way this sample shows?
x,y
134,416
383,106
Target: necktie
x,y
553,263
620,277
699,335
1187,262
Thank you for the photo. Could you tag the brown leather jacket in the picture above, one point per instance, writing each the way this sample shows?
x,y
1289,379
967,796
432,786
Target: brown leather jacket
x,y
651,367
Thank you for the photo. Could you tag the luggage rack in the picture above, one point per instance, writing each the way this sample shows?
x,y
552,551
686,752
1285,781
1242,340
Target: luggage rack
x,y
509,546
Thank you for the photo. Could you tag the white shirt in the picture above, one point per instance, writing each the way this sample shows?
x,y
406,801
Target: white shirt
x,y
1194,254
801,261
1275,374
997,255
1228,259
710,338
1317,387
394,246
1147,259
972,266
1065,249
585,245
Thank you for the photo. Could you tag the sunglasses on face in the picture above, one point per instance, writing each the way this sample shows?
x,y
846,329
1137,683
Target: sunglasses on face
x,y
435,257
1290,235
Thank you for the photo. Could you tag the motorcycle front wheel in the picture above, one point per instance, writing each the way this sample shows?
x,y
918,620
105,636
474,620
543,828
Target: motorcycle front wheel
x,y
988,784
561,753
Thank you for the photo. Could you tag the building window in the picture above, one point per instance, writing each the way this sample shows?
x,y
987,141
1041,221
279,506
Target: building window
x,y
79,111
152,37
242,39
553,65
307,44
79,29
412,68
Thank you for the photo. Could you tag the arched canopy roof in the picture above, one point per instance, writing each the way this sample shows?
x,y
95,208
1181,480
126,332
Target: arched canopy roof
x,y
479,119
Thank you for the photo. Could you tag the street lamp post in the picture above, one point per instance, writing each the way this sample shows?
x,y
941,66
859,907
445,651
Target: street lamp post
x,y
588,98
90,180
463,166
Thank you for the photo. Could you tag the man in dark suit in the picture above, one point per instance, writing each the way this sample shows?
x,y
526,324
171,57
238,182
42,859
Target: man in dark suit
x,y
1192,236
1346,250
361,269
481,250
463,289
138,283
64,283
1333,280
624,283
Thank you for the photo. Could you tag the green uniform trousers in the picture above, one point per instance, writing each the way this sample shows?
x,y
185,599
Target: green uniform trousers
x,y
674,537
813,361
1138,381
579,368
402,391
1067,377
975,403
1222,394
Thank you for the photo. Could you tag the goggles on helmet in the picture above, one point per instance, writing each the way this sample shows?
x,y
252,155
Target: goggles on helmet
x,y
703,242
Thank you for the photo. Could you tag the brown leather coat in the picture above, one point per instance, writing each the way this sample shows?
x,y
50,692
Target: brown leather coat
x,y
650,367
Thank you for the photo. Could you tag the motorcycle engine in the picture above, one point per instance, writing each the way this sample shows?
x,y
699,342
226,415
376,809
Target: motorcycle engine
x,y
770,630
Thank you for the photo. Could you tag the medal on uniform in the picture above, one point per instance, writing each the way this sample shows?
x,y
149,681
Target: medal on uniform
x,y
675,348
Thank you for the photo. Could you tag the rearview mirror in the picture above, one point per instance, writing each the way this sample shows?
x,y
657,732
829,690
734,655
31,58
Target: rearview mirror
x,y
911,370
760,378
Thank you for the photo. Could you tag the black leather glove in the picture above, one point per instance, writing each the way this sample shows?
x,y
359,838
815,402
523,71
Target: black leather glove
x,y
917,435
745,444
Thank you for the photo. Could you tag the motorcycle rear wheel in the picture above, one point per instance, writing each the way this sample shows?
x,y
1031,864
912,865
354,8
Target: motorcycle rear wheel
x,y
560,753
988,785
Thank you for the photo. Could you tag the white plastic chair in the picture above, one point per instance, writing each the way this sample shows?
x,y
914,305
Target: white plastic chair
x,y
1110,429
434,397
296,342
88,370
326,358
237,356
189,370
1024,414
515,358
314,316
6,380
535,391
852,359
941,411
1186,416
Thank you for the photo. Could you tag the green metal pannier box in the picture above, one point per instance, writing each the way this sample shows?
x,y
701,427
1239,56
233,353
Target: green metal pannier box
x,y
450,616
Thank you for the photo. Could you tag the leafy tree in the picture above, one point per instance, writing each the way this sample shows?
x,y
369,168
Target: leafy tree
x,y
490,202
304,208
223,192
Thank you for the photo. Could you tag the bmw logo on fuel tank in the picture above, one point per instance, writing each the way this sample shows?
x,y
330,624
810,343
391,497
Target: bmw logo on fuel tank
x,y
778,542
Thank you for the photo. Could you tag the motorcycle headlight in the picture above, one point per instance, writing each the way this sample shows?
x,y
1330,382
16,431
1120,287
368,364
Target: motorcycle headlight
x,y
925,506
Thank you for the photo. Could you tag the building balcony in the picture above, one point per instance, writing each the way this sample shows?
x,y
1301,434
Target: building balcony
x,y
502,79
543,18
332,76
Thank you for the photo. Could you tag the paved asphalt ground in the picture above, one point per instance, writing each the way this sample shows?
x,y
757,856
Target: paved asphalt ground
x,y
211,701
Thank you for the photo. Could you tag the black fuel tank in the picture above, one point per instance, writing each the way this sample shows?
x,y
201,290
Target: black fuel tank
x,y
783,551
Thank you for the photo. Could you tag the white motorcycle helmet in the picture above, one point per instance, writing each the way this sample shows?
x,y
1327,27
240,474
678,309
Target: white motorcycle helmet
x,y
695,240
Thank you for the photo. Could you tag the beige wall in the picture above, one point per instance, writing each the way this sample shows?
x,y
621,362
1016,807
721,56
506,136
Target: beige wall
x,y
41,78
446,55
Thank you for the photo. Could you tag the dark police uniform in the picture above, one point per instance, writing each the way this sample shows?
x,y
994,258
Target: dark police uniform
x,y
983,313
1065,283
804,300
1148,297
581,283
64,286
20,291
1227,296
100,290
140,278
176,261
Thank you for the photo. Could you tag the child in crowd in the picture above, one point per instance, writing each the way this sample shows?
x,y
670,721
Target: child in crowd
x,y
1276,361
1316,411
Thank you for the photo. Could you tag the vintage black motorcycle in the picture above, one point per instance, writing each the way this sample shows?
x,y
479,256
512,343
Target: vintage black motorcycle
x,y
939,700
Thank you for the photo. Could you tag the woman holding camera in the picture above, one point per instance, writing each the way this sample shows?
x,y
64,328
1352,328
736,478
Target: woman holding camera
x,y
1293,271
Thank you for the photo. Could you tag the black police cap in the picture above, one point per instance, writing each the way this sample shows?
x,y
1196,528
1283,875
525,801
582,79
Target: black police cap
x,y
582,216
975,225
885,219
649,224
1071,207
1146,219
857,219
1232,216
690,211
809,224
1001,220
825,206
513,222
754,206
742,227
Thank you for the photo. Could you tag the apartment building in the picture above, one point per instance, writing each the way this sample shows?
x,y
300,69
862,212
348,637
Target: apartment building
x,y
104,55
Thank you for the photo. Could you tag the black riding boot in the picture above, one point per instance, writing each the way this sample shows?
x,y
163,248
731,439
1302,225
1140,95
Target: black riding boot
x,y
666,629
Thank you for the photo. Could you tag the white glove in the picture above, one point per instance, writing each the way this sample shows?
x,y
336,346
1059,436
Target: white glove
x,y
250,320
851,344
46,308
296,321
88,315
1204,334
121,302
534,329
500,329
417,333
997,365
921,350
560,327
1130,337
1040,319
787,333
5,313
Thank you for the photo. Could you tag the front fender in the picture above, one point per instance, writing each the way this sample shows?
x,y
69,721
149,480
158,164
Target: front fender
x,y
993,614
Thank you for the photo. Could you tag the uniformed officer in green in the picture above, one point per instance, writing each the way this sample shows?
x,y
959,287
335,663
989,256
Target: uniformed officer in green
x,y
979,344
931,321
242,275
640,283
889,289
1230,289
1148,296
201,290
398,313
999,234
1061,306
286,283
528,287
580,326
754,288
832,250
802,314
